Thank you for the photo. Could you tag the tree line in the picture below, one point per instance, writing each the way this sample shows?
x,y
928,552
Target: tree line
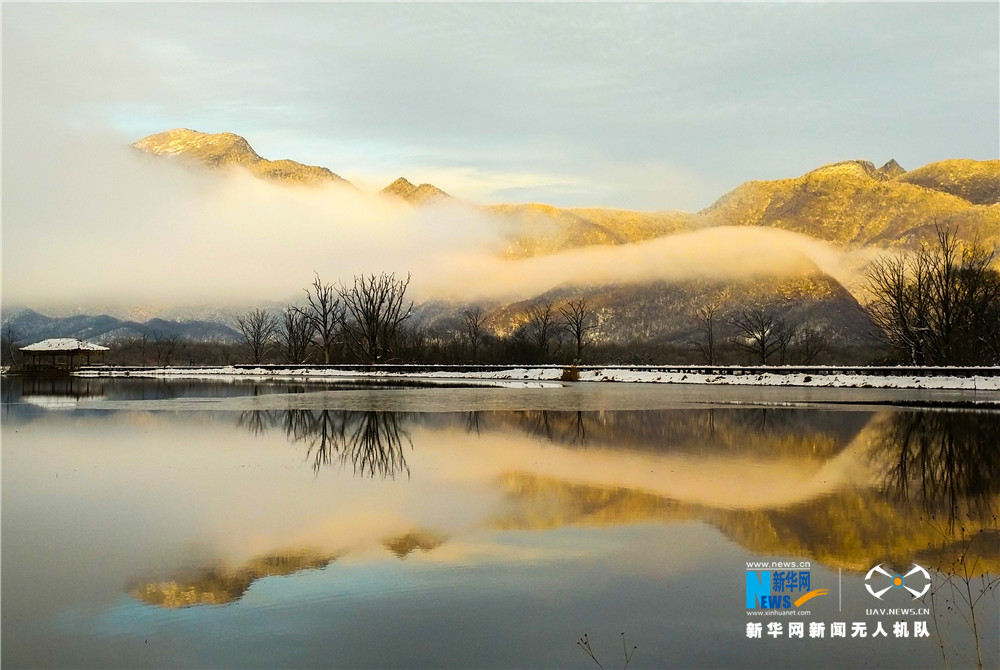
x,y
937,306
368,321
361,322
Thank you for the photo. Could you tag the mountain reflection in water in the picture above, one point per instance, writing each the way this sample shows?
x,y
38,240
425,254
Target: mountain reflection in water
x,y
879,476
220,585
892,485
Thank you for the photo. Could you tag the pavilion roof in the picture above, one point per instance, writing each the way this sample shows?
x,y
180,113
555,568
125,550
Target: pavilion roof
x,y
63,345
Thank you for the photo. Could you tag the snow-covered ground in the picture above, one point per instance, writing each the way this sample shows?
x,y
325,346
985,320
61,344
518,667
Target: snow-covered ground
x,y
544,377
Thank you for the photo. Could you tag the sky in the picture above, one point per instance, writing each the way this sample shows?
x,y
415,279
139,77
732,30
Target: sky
x,y
661,106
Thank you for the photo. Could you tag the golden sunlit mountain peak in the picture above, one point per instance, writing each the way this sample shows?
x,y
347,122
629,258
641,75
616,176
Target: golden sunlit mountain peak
x,y
892,169
975,181
854,204
215,149
222,150
849,203
424,194
849,169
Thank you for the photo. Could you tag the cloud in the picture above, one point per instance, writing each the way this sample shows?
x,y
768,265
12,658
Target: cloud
x,y
720,253
722,93
110,225
659,106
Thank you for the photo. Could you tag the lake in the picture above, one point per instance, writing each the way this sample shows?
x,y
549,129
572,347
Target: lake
x,y
203,524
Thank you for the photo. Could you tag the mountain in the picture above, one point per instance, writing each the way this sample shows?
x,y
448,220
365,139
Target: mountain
x,y
663,312
416,195
226,150
892,169
852,204
975,181
536,229
30,326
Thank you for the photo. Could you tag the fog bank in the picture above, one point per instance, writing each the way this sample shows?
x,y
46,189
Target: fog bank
x,y
91,222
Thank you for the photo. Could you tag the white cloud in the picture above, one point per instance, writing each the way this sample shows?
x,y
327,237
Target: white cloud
x,y
656,107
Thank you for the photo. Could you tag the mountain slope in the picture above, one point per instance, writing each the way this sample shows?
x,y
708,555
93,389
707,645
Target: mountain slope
x,y
852,204
975,181
223,150
536,229
30,326
424,194
663,312
892,169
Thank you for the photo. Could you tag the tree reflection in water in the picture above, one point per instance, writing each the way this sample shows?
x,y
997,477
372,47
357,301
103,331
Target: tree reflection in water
x,y
948,462
372,442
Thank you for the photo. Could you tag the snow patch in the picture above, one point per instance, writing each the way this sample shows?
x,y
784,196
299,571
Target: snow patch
x,y
544,377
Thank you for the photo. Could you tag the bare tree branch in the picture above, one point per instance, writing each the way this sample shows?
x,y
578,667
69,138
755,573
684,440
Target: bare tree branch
x,y
325,313
295,335
473,321
707,317
258,327
577,322
939,306
540,327
375,309
761,332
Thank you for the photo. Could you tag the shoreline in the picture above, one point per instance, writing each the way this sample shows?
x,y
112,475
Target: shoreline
x,y
541,377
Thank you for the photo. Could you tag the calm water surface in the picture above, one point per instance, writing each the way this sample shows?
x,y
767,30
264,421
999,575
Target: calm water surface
x,y
192,524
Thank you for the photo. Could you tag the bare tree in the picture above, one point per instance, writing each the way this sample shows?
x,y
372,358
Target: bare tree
x,y
165,345
541,326
295,335
577,322
784,333
258,327
375,309
11,338
900,306
939,306
325,314
706,318
472,322
143,340
813,344
761,332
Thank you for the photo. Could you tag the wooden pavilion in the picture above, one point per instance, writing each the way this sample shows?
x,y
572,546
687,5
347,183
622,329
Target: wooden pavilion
x,y
62,353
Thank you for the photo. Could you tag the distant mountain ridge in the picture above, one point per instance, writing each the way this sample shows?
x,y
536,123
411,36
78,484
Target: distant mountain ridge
x,y
853,204
424,194
975,181
222,150
892,169
663,312
31,326
850,203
